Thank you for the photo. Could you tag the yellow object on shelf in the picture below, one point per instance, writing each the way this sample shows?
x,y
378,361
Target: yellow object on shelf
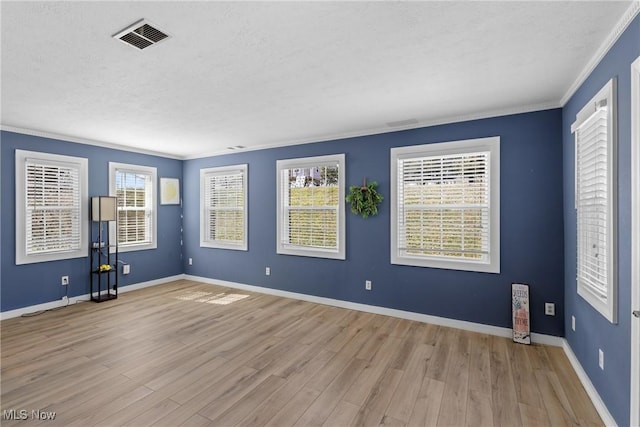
x,y
105,267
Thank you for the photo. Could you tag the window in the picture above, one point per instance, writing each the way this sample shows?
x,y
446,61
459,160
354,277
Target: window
x,y
595,181
223,213
446,205
134,186
51,207
311,207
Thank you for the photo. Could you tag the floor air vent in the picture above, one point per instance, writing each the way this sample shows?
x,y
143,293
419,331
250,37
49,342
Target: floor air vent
x,y
141,35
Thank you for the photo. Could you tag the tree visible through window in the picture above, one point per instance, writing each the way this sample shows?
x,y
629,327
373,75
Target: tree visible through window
x,y
311,213
134,187
134,212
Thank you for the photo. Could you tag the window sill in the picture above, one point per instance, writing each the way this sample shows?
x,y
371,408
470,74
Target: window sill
x,y
478,267
133,248
310,252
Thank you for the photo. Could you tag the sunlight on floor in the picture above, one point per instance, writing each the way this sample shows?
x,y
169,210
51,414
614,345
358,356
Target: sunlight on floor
x,y
210,298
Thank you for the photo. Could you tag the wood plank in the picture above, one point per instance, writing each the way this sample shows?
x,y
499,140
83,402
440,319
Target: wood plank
x,y
406,394
236,412
391,422
573,389
323,405
480,365
427,408
154,414
372,412
454,400
533,417
264,412
98,414
292,411
523,376
373,372
479,412
503,389
342,415
439,363
556,403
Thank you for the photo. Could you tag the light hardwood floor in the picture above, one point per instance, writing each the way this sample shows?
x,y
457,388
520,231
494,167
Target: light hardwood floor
x,y
176,354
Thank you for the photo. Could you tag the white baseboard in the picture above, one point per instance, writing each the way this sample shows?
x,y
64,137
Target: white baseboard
x,y
72,300
409,315
41,307
588,386
155,282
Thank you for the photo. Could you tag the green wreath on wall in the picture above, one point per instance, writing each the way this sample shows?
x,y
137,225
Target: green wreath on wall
x,y
364,199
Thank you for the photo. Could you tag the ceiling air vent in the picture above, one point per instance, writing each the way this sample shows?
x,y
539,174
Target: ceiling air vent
x,y
141,35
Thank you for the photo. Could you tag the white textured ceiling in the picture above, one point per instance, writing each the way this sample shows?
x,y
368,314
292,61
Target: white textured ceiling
x,y
260,74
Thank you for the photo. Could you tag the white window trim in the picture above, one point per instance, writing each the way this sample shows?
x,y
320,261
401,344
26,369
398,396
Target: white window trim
x,y
609,307
113,166
491,144
21,255
340,252
224,170
635,241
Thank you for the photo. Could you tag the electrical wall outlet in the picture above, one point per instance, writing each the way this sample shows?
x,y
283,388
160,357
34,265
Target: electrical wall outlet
x,y
64,280
367,285
601,359
573,323
190,261
126,269
549,309
267,271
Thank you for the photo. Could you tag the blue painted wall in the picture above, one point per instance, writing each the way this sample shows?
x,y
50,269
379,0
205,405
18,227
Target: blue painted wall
x,y
26,285
531,228
593,331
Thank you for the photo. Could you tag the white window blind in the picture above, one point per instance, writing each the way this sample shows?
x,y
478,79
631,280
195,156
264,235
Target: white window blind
x,y
445,205
53,207
595,219
592,203
311,214
223,201
135,188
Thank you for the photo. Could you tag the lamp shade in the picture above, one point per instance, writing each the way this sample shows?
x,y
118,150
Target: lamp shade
x,y
103,208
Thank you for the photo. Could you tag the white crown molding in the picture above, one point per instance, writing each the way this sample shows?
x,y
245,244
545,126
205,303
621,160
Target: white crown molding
x,y
597,401
611,39
315,139
385,129
409,315
76,140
